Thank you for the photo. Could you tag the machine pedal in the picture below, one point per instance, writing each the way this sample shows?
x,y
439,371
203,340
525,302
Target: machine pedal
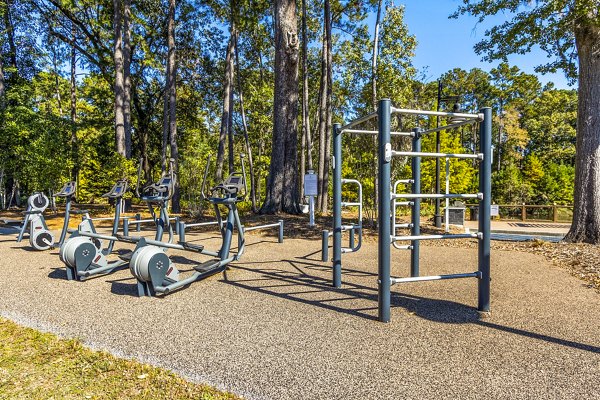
x,y
126,256
207,265
192,247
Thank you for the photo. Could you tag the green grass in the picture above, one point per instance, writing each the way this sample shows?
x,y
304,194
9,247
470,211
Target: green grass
x,y
37,365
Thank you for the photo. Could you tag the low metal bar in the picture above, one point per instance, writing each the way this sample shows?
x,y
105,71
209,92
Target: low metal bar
x,y
402,247
358,121
435,237
436,196
367,132
350,204
253,228
408,225
404,203
478,156
405,181
140,221
436,277
201,224
451,126
405,111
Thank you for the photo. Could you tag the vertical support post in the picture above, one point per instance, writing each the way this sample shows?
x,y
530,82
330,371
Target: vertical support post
x,y
324,245
126,226
138,217
416,208
523,212
446,211
311,211
337,205
384,158
280,231
485,187
554,213
181,230
351,238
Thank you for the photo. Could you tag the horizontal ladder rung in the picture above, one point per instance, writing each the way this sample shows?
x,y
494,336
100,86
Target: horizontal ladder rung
x,y
436,155
437,237
404,226
405,203
368,132
349,204
435,196
435,277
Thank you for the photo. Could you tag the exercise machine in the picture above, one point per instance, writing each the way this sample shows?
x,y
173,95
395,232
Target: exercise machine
x,y
68,192
85,256
157,274
40,237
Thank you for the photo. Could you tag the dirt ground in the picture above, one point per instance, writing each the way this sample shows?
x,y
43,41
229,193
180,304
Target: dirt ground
x,y
272,327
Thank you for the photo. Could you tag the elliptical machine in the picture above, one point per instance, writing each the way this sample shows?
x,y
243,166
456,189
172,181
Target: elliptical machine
x,y
40,237
157,274
82,253
85,256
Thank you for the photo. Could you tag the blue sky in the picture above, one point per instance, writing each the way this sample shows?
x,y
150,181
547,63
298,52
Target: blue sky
x,y
448,43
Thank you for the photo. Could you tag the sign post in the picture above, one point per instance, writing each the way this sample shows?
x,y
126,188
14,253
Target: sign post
x,y
310,191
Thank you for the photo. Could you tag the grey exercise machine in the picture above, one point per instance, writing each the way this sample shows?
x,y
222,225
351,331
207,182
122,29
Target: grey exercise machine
x,y
157,274
84,256
40,237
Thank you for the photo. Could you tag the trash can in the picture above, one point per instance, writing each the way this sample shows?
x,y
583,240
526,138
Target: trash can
x,y
474,213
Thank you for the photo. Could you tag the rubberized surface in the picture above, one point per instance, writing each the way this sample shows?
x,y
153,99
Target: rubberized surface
x,y
271,327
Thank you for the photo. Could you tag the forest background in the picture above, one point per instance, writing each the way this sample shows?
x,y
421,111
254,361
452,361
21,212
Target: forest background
x,y
87,88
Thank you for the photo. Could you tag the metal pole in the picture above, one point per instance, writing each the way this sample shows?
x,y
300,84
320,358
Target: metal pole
x,y
311,211
416,208
280,231
384,157
485,187
337,205
437,219
324,245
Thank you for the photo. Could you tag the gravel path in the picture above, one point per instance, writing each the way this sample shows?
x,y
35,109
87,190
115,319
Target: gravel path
x,y
272,328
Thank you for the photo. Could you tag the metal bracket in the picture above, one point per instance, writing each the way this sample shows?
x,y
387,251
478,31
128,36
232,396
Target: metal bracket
x,y
388,152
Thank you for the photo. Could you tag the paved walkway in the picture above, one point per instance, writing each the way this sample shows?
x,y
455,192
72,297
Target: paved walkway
x,y
273,328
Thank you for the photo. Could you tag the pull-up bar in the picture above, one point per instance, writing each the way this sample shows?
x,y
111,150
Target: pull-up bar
x,y
405,111
478,156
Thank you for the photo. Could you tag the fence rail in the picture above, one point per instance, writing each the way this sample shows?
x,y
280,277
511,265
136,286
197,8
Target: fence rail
x,y
534,212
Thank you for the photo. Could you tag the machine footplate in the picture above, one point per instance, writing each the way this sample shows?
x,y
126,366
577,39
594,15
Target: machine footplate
x,y
126,256
208,265
190,246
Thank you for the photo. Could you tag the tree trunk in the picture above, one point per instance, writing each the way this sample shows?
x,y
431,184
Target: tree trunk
x,y
328,111
10,33
306,136
127,75
2,85
119,79
586,211
322,127
282,193
227,102
74,142
374,57
165,133
175,206
374,103
57,85
246,138
230,78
